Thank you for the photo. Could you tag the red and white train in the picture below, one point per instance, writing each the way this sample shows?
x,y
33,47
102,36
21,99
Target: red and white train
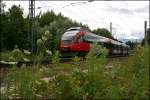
x,y
76,41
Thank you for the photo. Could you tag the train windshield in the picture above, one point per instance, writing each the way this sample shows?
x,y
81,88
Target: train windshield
x,y
68,36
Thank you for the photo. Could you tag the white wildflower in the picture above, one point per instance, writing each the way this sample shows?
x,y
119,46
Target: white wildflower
x,y
3,90
38,83
47,33
46,79
44,38
39,42
26,60
27,52
10,97
38,95
49,52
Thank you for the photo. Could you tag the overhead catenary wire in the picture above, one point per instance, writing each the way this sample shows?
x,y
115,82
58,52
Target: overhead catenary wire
x,y
89,18
75,4
83,13
72,12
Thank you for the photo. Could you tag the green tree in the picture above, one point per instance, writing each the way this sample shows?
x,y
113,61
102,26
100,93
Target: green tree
x,y
131,44
3,29
47,18
15,28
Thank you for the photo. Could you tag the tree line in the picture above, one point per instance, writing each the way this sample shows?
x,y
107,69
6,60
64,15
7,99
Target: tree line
x,y
15,28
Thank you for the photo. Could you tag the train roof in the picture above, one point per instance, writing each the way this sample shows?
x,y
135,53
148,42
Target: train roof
x,y
95,38
77,28
74,28
118,43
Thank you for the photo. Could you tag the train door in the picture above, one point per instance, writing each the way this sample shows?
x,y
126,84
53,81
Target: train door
x,y
84,46
80,45
108,45
111,49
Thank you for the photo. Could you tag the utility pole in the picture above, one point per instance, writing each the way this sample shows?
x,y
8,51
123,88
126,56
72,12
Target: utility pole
x,y
111,28
145,29
31,23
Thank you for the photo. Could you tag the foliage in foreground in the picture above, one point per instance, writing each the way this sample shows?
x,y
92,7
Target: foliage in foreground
x,y
16,55
82,79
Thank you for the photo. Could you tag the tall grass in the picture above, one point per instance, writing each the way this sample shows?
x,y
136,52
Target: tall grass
x,y
133,77
20,83
91,82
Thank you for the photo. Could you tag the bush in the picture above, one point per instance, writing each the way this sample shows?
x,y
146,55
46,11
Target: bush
x,y
132,78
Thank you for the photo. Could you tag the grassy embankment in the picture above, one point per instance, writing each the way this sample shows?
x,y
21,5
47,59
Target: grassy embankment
x,y
86,80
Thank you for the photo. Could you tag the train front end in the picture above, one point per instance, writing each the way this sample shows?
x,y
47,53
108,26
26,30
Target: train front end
x,y
72,43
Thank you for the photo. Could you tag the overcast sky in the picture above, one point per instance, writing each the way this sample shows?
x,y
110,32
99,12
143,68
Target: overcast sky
x,y
127,17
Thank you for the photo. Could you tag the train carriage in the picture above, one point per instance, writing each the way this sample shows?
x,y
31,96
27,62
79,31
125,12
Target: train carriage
x,y
76,41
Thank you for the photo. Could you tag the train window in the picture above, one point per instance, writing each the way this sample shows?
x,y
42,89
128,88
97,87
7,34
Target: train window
x,y
106,45
113,46
67,37
110,45
89,38
81,39
101,44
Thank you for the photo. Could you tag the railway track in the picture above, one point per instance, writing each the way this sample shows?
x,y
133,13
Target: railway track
x,y
6,65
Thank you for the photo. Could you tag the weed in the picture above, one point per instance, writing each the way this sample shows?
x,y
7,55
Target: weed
x,y
55,58
128,81
42,51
